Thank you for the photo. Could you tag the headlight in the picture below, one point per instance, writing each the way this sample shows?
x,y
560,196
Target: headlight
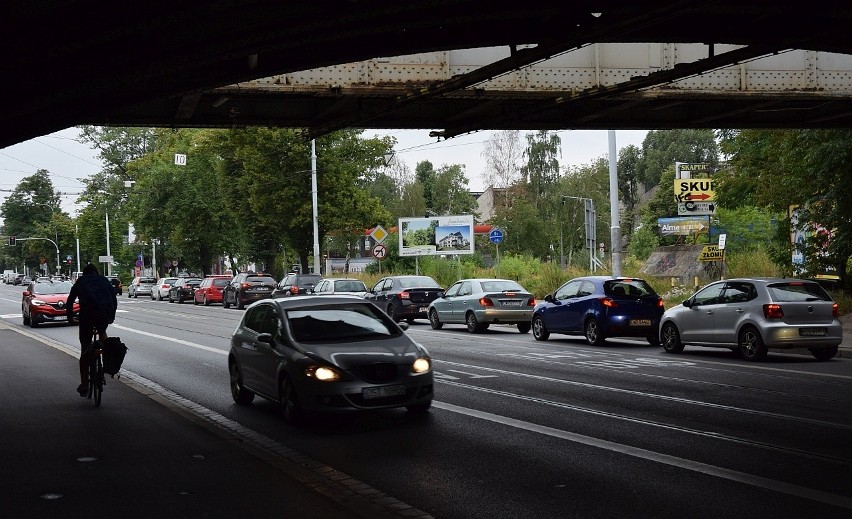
x,y
323,373
38,302
421,365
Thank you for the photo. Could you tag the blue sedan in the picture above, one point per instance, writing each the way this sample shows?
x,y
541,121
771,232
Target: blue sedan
x,y
599,307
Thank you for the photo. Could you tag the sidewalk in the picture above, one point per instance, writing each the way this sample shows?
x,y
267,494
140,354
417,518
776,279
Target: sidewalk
x,y
142,455
845,351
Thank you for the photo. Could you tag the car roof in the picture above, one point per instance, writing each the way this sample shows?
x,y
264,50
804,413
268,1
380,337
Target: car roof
x,y
308,301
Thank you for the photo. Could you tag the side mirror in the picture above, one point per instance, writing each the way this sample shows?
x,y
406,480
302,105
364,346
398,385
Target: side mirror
x,y
26,293
687,303
403,325
266,337
549,298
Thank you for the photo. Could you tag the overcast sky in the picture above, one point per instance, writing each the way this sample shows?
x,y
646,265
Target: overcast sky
x,y
67,160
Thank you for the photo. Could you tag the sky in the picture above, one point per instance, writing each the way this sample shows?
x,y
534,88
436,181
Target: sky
x,y
68,160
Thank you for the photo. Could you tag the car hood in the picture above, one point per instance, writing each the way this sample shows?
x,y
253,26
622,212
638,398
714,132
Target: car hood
x,y
349,355
50,298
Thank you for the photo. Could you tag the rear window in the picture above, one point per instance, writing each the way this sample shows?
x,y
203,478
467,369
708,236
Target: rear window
x,y
418,282
797,291
260,280
308,280
628,287
220,282
350,286
502,286
339,323
147,280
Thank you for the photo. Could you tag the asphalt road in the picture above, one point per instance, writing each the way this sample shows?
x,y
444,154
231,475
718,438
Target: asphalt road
x,y
522,428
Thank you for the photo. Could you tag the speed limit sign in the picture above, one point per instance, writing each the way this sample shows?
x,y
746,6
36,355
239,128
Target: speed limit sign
x,y
380,251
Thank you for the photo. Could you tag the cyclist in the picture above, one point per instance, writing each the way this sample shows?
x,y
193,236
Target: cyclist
x,y
97,310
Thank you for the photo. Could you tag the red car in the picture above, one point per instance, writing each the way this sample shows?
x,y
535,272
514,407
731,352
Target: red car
x,y
210,290
44,302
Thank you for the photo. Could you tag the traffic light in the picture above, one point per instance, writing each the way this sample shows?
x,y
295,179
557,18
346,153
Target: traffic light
x,y
11,241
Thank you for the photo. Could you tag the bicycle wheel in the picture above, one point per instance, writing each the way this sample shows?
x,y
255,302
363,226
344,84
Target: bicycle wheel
x,y
96,379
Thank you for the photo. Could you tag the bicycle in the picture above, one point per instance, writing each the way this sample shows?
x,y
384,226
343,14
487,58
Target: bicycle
x,y
97,379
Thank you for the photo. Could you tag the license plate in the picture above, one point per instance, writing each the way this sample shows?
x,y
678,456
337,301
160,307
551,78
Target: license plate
x,y
511,303
262,289
812,332
640,322
59,318
382,392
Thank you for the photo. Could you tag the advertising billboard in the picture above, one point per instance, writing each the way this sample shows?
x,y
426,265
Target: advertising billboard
x,y
436,235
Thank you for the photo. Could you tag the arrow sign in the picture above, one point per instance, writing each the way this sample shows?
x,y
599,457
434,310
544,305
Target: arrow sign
x,y
702,196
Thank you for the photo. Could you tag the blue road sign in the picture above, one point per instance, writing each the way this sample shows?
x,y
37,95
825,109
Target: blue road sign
x,y
496,235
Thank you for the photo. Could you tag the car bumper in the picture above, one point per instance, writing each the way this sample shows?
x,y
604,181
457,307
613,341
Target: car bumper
x,y
498,315
251,298
319,397
50,316
626,326
787,336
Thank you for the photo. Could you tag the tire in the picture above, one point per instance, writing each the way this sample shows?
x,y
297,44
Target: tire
x,y
419,408
410,320
239,393
473,325
824,354
135,295
96,380
524,327
206,302
26,319
653,339
671,338
289,400
539,330
180,299
33,321
751,345
128,295
240,304
392,313
594,334
434,320
159,296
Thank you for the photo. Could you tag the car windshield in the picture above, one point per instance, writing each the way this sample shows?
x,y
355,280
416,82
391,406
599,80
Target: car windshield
x,y
418,282
797,291
350,286
339,323
59,287
501,285
628,287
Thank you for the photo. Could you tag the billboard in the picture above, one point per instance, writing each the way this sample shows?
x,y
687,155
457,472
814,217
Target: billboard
x,y
436,235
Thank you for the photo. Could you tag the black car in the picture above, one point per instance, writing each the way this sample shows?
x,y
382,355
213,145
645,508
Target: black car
x,y
405,297
183,289
116,284
246,288
297,284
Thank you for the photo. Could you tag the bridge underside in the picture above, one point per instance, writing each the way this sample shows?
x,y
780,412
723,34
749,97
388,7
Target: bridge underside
x,y
74,62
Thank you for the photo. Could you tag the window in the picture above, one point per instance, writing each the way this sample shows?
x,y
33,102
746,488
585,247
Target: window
x,y
739,292
340,323
501,286
453,290
798,291
568,290
711,295
465,289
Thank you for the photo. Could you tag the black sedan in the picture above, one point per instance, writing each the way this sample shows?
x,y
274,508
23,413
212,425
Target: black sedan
x,y
405,297
324,354
183,290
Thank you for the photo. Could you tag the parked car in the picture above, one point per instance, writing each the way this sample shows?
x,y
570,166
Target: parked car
x,y
19,279
341,286
183,289
160,290
335,353
297,284
479,303
600,307
116,284
210,290
44,302
751,315
246,288
141,285
405,297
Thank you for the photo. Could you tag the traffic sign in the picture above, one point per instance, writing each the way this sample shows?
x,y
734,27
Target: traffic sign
x,y
380,251
696,208
180,159
105,259
694,190
379,234
684,226
711,253
496,235
722,239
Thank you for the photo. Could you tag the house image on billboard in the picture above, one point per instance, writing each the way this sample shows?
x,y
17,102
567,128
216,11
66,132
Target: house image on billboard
x,y
454,240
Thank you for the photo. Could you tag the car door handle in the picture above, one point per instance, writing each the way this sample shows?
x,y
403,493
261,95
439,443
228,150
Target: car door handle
x,y
740,310
709,312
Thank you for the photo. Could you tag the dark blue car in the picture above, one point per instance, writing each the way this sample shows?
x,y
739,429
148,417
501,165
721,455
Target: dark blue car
x,y
600,307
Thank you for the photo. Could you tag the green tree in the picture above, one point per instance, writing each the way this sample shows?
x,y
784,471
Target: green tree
x,y
775,169
541,171
28,212
662,148
450,193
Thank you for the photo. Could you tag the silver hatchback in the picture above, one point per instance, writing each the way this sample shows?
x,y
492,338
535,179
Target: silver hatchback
x,y
752,315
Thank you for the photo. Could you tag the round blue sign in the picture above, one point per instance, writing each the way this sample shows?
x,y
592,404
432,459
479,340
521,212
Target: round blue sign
x,y
496,235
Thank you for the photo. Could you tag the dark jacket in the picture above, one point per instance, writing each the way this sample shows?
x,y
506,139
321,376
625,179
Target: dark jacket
x,y
97,297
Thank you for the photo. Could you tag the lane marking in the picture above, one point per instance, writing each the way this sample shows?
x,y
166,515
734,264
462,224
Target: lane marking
x,y
170,339
674,461
633,392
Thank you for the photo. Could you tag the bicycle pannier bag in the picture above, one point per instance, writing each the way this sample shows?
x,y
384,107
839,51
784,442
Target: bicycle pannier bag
x,y
114,352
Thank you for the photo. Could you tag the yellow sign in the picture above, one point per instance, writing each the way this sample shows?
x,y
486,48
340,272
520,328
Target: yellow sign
x,y
711,253
694,190
379,234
